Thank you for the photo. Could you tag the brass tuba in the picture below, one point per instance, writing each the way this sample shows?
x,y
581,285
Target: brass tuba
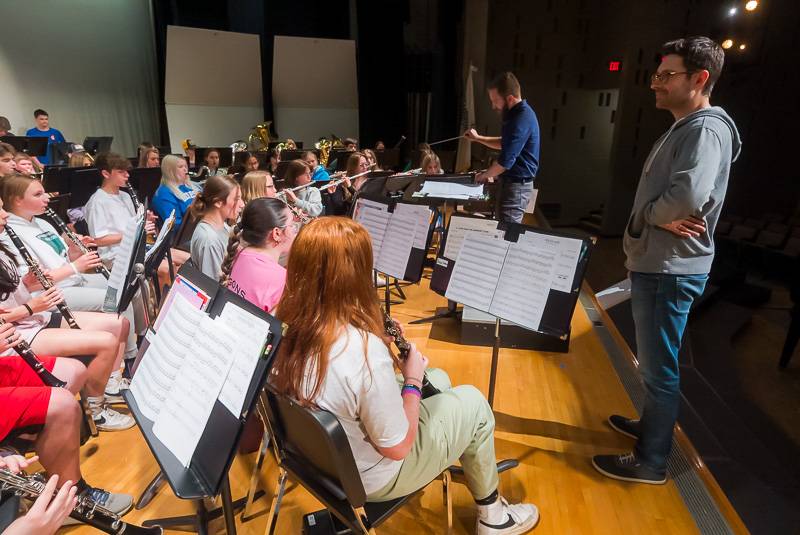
x,y
259,139
325,145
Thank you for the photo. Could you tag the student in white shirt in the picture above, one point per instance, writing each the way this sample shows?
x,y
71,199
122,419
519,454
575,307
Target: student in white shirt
x,y
102,336
24,198
219,203
334,355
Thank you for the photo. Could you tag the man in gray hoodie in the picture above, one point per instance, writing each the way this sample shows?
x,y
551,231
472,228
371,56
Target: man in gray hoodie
x,y
669,243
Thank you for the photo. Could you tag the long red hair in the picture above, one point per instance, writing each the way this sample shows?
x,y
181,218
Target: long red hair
x,y
328,287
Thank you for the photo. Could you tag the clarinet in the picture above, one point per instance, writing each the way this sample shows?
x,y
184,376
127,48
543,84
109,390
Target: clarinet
x,y
134,197
404,347
40,276
30,358
86,510
63,228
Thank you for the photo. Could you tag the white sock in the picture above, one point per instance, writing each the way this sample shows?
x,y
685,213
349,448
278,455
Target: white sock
x,y
95,404
493,513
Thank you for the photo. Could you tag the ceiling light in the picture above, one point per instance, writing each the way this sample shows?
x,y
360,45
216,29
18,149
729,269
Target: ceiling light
x,y
742,46
751,5
727,43
732,11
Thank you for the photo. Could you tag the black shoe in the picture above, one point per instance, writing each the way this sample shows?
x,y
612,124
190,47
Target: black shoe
x,y
626,426
626,467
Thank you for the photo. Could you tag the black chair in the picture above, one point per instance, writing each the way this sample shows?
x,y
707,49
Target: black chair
x,y
311,448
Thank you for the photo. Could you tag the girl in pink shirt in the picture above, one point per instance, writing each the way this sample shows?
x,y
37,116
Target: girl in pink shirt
x,y
250,268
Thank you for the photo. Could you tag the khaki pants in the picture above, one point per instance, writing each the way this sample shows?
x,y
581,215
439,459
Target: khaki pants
x,y
455,424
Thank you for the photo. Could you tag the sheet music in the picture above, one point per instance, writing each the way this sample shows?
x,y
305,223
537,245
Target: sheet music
x,y
451,190
422,217
160,366
568,251
119,271
162,234
460,226
524,284
375,217
252,333
198,298
184,415
478,265
395,250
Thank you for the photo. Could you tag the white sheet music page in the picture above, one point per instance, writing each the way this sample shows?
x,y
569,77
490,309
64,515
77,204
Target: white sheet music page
x,y
120,269
477,268
524,284
568,250
422,221
375,217
458,228
185,413
397,243
252,333
161,363
162,234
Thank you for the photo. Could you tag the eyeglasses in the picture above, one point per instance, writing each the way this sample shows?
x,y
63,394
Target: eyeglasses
x,y
665,76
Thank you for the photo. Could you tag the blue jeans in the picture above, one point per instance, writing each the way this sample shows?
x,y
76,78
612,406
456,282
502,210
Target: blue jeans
x,y
660,304
512,200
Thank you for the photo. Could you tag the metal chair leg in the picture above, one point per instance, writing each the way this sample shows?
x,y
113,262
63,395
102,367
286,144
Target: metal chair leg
x,y
272,519
251,493
447,480
87,414
361,517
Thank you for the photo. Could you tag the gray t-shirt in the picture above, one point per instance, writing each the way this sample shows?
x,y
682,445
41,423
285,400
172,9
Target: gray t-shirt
x,y
208,248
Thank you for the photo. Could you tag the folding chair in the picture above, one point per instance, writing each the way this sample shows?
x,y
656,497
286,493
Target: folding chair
x,y
312,449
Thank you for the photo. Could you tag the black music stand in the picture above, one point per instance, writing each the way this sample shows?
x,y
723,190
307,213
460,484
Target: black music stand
x,y
388,158
280,171
30,145
146,181
59,152
95,145
207,474
81,183
289,155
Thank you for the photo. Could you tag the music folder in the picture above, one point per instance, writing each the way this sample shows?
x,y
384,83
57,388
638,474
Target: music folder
x,y
525,275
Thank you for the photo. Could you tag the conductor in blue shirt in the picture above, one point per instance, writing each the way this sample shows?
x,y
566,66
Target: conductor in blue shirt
x,y
42,129
518,145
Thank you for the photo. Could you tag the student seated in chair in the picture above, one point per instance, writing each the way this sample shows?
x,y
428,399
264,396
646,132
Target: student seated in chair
x,y
335,356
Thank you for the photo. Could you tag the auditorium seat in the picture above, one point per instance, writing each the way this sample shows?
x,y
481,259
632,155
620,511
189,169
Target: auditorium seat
x,y
723,228
741,232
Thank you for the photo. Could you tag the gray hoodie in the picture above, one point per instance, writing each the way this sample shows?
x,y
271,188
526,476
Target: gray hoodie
x,y
685,174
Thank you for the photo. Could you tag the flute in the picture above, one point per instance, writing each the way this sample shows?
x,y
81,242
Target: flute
x,y
46,283
64,229
30,358
296,188
342,180
86,510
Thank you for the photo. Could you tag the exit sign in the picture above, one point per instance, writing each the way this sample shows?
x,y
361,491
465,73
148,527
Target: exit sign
x,y
614,66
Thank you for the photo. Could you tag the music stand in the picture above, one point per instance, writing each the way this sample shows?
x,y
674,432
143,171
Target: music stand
x,y
207,474
59,152
95,145
81,182
146,181
280,171
289,155
30,145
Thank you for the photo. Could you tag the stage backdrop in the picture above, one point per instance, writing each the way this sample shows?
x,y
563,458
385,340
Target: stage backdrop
x,y
91,65
314,88
213,86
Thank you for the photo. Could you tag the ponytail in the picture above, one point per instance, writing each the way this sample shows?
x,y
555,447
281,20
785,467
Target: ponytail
x,y
259,217
231,254
217,188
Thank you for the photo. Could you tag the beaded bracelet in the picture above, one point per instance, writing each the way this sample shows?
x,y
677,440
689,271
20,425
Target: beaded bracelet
x,y
411,389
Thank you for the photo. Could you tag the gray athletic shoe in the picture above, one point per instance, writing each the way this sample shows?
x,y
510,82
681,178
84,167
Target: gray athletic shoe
x,y
116,503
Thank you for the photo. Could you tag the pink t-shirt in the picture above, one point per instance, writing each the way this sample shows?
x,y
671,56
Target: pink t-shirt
x,y
258,278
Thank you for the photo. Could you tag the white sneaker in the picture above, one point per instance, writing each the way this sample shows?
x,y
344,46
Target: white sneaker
x,y
516,518
108,419
114,389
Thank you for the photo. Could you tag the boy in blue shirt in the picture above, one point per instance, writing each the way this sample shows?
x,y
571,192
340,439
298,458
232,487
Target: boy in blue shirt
x,y
43,129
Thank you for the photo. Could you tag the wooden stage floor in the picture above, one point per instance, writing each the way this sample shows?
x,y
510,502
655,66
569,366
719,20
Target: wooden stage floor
x,y
550,410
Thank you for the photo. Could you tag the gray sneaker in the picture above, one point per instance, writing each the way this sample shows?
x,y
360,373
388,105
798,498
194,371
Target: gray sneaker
x,y
108,419
116,503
